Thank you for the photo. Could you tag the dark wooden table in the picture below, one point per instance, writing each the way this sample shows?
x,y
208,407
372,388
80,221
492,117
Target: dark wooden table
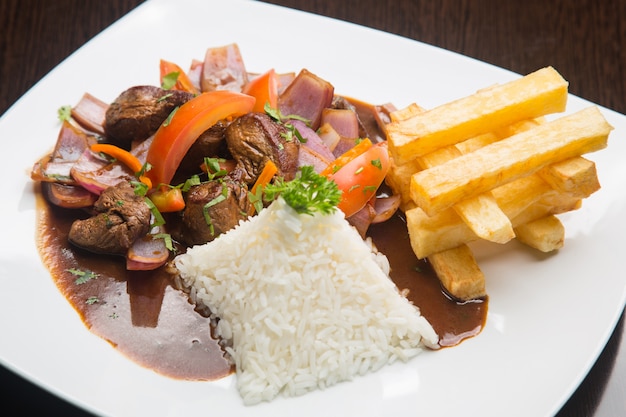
x,y
584,39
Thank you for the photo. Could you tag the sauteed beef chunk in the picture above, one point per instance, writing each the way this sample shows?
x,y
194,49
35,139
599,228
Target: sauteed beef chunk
x,y
212,208
254,138
211,143
138,112
121,218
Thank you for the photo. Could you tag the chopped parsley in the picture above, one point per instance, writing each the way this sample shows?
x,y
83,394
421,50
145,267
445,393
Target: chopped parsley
x,y
170,116
308,193
207,206
64,113
277,116
82,276
169,80
92,300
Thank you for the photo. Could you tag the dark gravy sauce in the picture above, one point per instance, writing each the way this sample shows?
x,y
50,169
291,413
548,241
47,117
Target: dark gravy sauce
x,y
152,323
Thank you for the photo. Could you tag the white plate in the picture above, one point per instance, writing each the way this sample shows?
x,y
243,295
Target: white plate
x,y
549,316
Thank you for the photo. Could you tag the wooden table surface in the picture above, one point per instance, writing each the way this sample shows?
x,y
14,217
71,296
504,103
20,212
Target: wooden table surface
x,y
585,40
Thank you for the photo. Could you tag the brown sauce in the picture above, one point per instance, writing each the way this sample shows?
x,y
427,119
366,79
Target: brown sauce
x,y
152,323
140,313
453,321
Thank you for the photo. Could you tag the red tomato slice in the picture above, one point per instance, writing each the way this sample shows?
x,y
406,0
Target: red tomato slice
x,y
168,200
176,135
359,178
183,82
265,89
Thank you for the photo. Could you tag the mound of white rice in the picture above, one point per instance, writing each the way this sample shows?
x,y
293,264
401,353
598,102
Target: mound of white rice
x,y
303,302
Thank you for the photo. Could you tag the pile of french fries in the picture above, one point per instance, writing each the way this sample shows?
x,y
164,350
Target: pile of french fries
x,y
492,166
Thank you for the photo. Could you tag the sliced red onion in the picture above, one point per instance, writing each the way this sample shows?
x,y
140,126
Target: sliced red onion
x,y
223,69
70,145
96,173
344,121
385,207
329,135
312,140
195,73
90,113
362,219
308,156
68,196
284,79
146,254
343,145
306,96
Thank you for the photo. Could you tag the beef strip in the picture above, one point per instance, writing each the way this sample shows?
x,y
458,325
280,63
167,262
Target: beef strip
x,y
137,113
226,204
255,138
211,143
121,218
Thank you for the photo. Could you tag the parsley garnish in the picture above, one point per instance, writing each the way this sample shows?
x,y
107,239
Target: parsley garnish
x,y
213,168
377,163
308,193
82,276
170,116
92,300
167,240
207,206
64,113
277,116
169,80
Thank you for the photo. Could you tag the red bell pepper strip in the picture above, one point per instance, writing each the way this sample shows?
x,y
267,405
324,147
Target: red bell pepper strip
x,y
359,178
176,135
265,89
269,170
123,156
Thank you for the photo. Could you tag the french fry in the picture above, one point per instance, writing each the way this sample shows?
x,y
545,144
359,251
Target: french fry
x,y
481,213
522,200
576,176
474,167
399,180
545,234
537,94
459,273
439,187
406,113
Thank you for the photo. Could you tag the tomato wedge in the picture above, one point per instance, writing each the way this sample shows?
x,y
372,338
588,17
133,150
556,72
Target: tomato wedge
x,y
359,178
347,156
183,82
265,89
176,135
168,200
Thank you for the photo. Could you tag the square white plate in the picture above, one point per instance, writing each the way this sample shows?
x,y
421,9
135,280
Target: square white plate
x,y
549,316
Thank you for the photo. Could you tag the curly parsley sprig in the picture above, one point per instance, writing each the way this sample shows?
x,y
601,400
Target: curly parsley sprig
x,y
308,193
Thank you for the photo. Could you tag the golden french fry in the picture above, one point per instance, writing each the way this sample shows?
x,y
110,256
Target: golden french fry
x,y
522,200
537,94
546,234
483,215
406,113
399,180
439,187
576,176
459,273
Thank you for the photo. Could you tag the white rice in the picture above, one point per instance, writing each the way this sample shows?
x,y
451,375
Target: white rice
x,y
303,303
